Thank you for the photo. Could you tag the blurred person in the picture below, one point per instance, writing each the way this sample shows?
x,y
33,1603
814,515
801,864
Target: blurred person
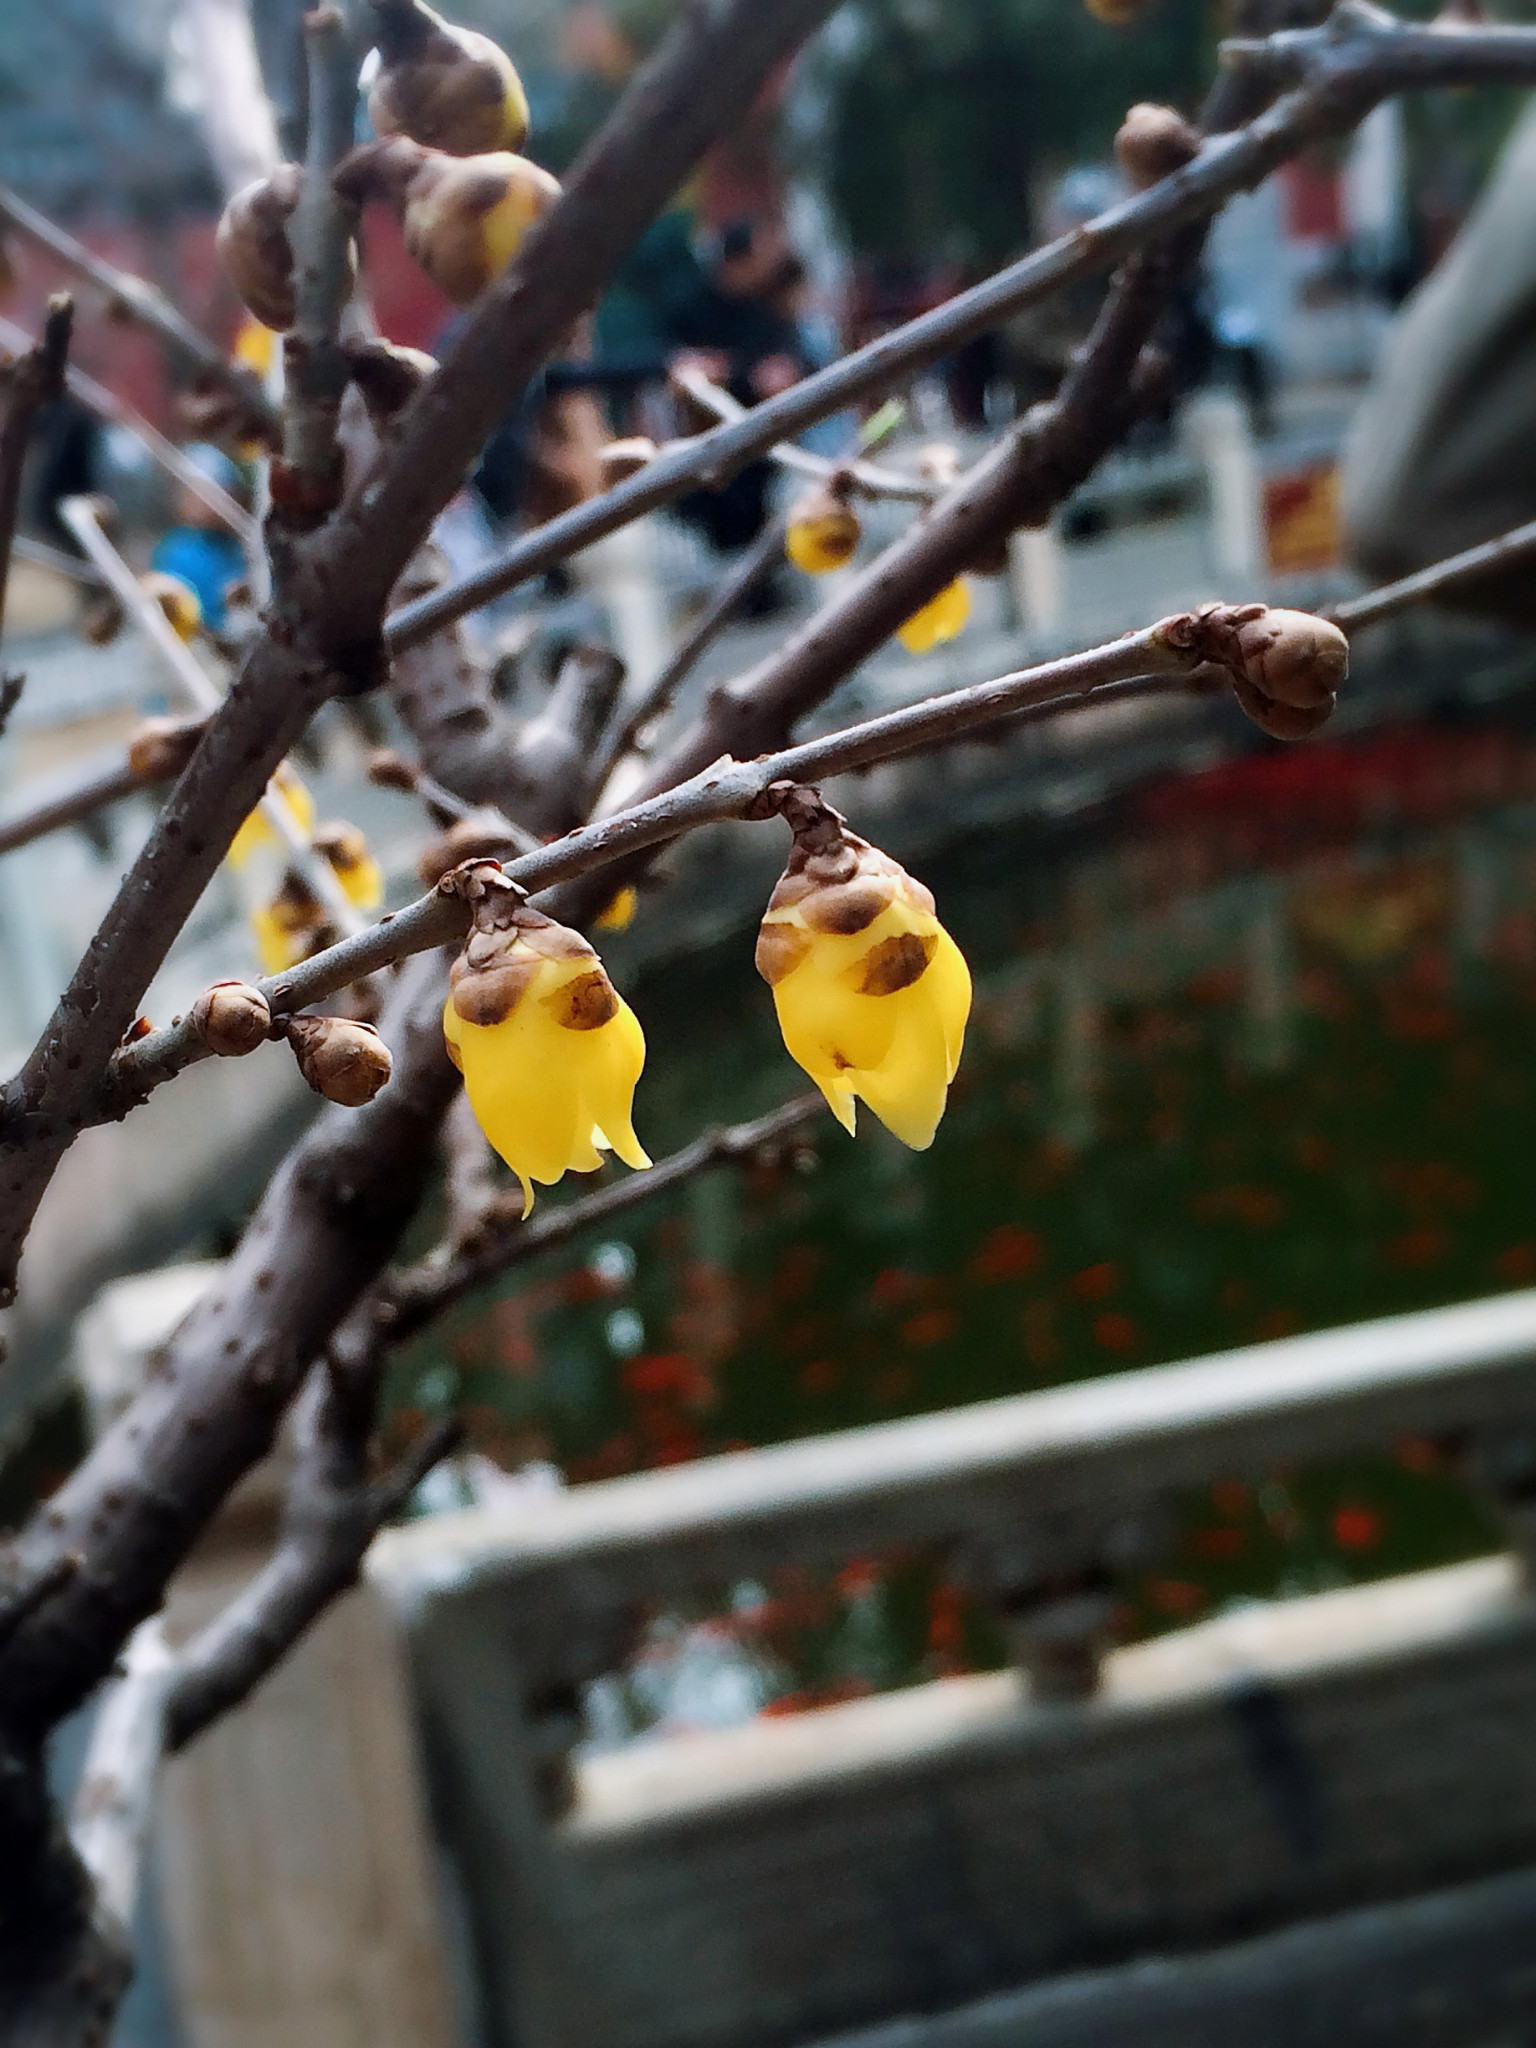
x,y
199,549
1440,455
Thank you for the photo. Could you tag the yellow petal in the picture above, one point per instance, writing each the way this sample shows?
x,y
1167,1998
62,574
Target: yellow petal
x,y
907,1091
941,619
362,883
948,986
620,913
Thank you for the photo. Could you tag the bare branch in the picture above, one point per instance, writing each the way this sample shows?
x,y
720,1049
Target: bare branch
x,y
869,479
116,412
122,1766
745,574
407,1301
79,515
728,789
70,806
332,1514
35,377
321,233
324,1229
701,79
1361,57
145,303
1455,573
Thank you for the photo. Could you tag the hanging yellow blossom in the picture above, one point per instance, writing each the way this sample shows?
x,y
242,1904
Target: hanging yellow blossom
x,y
360,876
257,832
871,991
822,530
289,928
549,1051
178,600
619,914
941,618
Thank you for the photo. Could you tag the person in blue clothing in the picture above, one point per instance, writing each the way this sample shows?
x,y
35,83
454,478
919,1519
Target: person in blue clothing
x,y
198,549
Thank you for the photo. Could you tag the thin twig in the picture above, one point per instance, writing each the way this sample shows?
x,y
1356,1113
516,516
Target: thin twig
x,y
869,479
746,573
1361,57
38,552
1470,566
406,1301
70,806
729,789
35,377
116,412
145,303
122,1765
322,262
203,696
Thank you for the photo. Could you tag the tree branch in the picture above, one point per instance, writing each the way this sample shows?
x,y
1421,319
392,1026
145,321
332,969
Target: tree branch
x,y
408,1300
35,377
122,1767
144,303
107,406
1455,573
869,479
332,1514
138,1501
1360,57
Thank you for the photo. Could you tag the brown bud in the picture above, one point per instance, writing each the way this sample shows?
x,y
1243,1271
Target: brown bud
x,y
341,1059
387,769
101,618
482,835
159,748
1286,666
387,375
252,244
626,458
463,217
448,87
231,1018
1153,143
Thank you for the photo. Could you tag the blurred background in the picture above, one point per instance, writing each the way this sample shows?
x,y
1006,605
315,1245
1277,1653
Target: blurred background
x,y
1250,1054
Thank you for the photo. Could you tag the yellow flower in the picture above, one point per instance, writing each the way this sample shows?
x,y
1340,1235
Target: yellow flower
x,y
549,1051
822,531
178,600
940,619
257,832
871,991
289,928
620,913
360,876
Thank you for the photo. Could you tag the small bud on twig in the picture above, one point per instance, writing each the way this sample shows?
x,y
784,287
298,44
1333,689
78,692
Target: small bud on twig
x,y
231,1018
344,1060
159,748
620,460
252,244
1286,666
1153,143
483,835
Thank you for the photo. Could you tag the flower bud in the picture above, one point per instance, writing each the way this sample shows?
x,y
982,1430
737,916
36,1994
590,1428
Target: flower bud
x,y
447,87
387,374
252,244
941,619
360,876
464,218
822,530
159,748
177,600
480,835
342,1059
1286,666
622,459
872,993
1153,143
231,1018
549,1051
102,618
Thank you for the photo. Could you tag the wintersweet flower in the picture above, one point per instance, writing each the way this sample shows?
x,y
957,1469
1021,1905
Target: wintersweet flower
x,y
360,876
822,530
257,832
549,1051
941,618
872,993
